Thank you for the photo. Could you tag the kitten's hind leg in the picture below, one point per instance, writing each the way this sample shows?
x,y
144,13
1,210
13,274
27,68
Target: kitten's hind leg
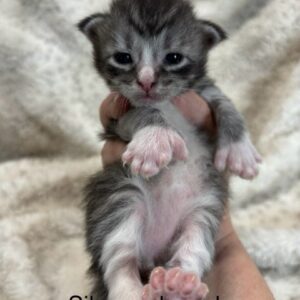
x,y
181,279
192,256
174,284
119,275
114,223
120,261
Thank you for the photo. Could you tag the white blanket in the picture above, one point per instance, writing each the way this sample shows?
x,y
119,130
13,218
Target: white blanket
x,y
49,98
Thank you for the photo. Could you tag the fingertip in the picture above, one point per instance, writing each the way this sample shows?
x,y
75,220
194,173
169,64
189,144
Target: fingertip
x,y
178,100
113,107
123,104
112,152
196,110
106,108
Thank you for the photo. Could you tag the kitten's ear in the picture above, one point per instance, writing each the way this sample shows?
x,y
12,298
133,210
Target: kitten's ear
x,y
213,33
90,24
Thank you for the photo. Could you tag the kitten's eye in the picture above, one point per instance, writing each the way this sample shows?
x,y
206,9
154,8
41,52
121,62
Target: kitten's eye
x,y
173,58
123,58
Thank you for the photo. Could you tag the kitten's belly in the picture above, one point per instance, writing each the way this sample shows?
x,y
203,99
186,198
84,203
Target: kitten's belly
x,y
177,190
172,199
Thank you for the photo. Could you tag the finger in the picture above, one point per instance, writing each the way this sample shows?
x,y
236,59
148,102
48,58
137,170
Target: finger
x,y
113,107
112,152
226,228
195,110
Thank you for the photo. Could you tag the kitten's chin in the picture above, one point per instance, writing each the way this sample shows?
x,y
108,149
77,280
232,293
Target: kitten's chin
x,y
140,100
151,98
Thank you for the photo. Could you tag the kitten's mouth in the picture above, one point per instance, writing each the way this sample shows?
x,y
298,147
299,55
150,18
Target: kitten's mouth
x,y
148,98
151,97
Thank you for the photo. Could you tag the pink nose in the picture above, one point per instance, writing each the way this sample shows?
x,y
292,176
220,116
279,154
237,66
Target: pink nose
x,y
146,78
146,85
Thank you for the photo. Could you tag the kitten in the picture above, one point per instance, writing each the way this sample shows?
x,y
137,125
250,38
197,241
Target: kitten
x,y
140,214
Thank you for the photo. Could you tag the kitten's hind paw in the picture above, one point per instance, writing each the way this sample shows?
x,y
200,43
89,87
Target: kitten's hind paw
x,y
241,158
153,148
174,284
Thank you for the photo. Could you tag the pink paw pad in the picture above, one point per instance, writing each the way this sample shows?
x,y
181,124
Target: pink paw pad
x,y
174,284
153,148
240,158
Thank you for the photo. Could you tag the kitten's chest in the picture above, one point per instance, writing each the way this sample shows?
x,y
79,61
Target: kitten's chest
x,y
177,184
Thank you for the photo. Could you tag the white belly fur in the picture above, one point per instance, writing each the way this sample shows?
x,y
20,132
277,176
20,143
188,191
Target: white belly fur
x,y
174,193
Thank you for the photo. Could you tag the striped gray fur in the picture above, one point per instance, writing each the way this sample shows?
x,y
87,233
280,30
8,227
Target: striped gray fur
x,y
117,201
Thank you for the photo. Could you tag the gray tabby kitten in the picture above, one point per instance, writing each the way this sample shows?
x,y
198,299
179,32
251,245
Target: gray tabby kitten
x,y
162,204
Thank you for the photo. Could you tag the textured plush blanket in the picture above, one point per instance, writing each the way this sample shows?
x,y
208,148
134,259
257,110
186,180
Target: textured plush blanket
x,y
49,98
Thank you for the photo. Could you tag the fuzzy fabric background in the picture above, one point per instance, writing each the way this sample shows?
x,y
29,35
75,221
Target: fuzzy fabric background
x,y
49,98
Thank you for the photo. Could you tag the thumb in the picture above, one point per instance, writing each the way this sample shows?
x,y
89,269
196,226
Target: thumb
x,y
113,107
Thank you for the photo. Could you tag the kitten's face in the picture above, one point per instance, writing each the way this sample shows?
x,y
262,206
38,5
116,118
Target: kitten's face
x,y
151,68
149,58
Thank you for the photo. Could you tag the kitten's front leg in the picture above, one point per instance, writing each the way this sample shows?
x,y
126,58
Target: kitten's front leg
x,y
235,150
240,157
153,144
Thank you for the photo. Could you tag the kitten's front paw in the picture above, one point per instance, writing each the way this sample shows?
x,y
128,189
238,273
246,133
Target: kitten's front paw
x,y
153,148
241,158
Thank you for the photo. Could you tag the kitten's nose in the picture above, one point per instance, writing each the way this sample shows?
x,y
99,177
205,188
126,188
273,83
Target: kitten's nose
x,y
146,85
146,79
